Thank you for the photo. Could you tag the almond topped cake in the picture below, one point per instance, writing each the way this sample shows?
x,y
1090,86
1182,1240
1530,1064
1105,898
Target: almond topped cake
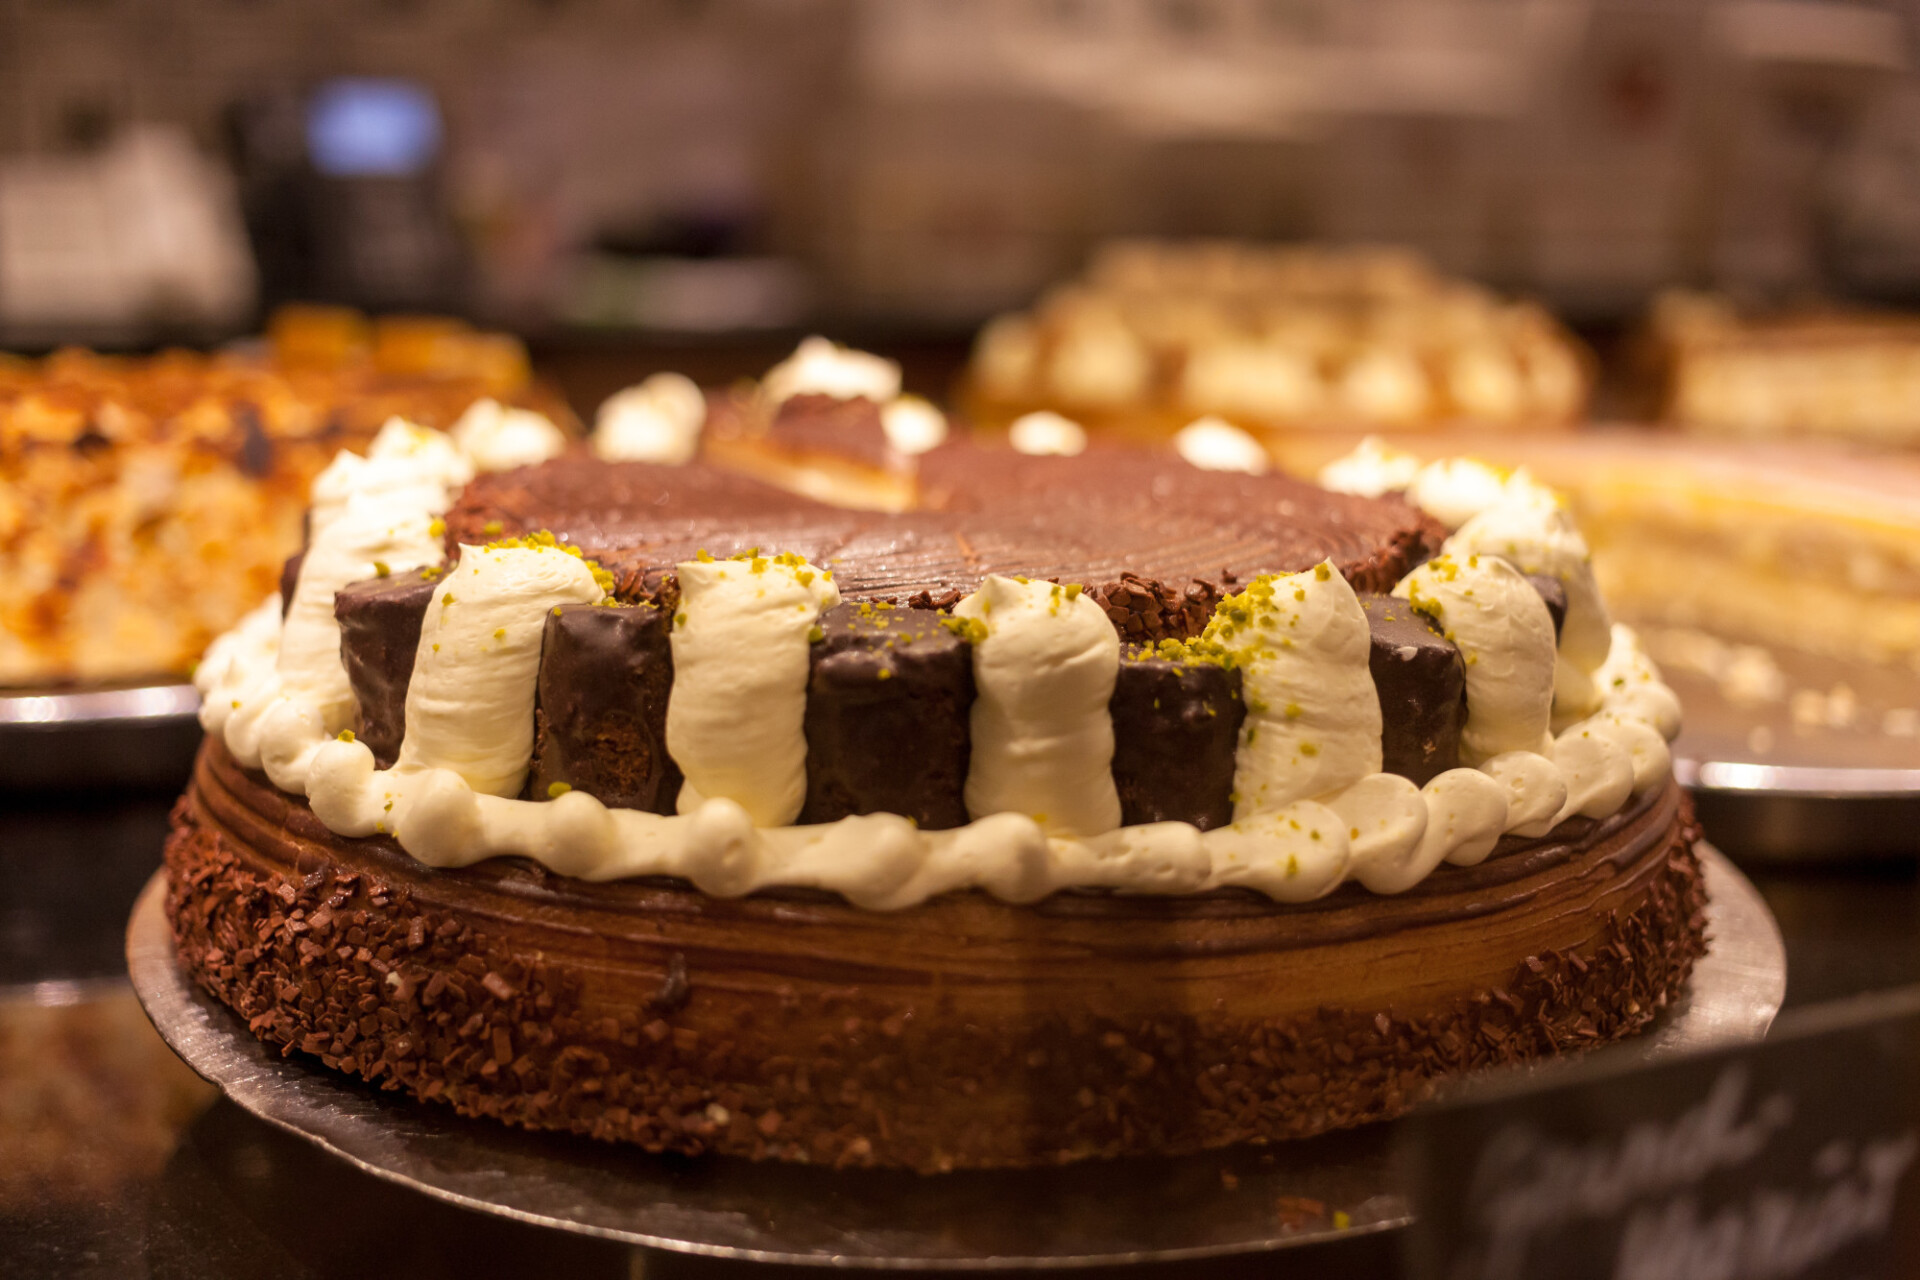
x,y
1057,807
146,503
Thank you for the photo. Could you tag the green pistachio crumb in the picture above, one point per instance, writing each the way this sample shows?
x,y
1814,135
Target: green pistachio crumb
x,y
557,789
346,735
380,569
971,630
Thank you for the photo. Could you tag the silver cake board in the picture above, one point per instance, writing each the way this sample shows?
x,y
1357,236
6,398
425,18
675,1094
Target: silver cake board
x,y
1099,1213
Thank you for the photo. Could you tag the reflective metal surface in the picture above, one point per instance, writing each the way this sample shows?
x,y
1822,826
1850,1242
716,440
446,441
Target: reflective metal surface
x,y
137,704
139,736
1828,771
1098,1213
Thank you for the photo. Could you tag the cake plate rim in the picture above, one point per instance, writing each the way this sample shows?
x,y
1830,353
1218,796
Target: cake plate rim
x,y
133,734
29,708
1733,995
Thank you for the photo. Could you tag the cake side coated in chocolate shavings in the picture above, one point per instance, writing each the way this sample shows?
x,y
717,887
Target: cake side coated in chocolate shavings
x,y
960,1034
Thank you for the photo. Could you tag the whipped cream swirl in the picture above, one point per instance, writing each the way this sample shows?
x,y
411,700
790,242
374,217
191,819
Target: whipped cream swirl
x,y
741,655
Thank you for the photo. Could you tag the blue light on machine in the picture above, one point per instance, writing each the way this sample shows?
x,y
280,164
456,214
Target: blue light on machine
x,y
359,127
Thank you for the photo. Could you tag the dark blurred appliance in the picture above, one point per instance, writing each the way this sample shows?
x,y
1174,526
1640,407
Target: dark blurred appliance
x,y
344,196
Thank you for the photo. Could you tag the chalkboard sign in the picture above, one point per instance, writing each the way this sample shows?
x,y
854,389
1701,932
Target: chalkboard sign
x,y
1796,1157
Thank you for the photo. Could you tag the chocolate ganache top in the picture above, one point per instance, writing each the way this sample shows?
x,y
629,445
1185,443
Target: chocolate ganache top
x,y
1155,540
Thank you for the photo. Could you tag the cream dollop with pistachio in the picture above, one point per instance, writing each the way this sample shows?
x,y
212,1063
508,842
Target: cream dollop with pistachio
x,y
419,466
741,654
1505,636
1528,528
470,702
1043,668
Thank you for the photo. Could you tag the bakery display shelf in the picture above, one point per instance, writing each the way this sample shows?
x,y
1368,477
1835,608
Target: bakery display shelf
x,y
1829,769
120,736
1097,1213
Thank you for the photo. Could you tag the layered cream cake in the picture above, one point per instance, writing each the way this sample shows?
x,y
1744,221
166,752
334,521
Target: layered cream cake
x,y
1802,545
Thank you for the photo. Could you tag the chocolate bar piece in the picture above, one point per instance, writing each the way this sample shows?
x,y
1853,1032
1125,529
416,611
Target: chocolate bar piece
x,y
289,579
379,634
888,707
600,718
1175,728
1554,592
1422,684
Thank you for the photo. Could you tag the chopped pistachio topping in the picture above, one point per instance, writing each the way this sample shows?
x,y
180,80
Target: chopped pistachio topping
x,y
346,735
543,540
557,789
380,569
972,630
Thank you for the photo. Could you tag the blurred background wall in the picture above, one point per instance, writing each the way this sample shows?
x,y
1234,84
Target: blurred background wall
x,y
168,168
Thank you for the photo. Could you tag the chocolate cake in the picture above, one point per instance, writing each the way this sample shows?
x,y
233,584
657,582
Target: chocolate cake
x,y
713,817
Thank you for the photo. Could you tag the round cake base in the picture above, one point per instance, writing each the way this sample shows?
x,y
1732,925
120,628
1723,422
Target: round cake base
x,y
960,1033
1092,1213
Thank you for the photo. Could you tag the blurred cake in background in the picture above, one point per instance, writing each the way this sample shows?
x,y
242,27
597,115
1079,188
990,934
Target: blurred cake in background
x,y
1846,373
828,422
146,503
1270,338
1802,545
